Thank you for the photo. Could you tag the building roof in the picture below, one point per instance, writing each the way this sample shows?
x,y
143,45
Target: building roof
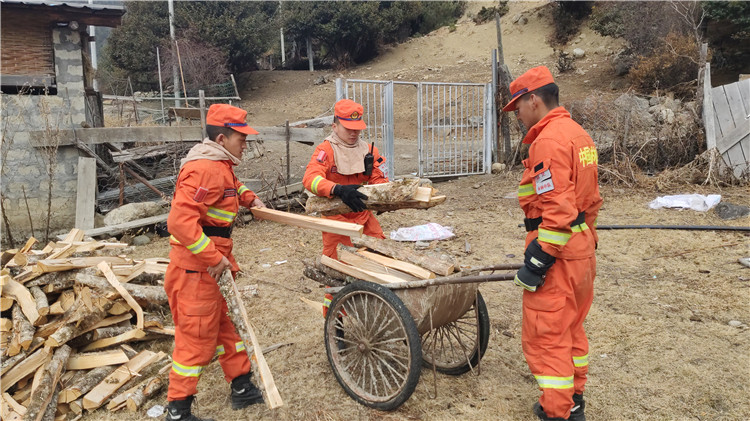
x,y
83,12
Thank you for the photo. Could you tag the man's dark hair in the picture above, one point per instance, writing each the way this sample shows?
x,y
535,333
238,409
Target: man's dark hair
x,y
550,95
214,131
335,120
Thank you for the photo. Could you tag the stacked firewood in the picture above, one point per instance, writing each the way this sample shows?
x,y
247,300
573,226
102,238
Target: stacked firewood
x,y
68,312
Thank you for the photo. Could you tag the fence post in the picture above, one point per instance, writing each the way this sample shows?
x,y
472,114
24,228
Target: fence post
x,y
388,132
86,193
288,163
489,99
202,104
340,89
420,129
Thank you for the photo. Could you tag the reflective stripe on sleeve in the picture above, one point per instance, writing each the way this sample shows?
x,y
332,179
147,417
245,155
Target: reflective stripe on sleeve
x,y
314,185
525,190
239,346
552,382
199,245
242,189
553,237
579,228
581,361
221,215
220,350
186,370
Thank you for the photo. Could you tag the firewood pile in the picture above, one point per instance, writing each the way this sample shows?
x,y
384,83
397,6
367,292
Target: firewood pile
x,y
68,311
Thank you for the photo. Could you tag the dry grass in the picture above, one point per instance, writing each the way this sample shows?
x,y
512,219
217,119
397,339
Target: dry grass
x,y
661,347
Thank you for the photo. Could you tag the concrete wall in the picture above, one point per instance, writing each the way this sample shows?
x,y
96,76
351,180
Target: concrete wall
x,y
27,167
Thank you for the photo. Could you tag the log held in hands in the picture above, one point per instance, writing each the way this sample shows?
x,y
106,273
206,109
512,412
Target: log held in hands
x,y
238,315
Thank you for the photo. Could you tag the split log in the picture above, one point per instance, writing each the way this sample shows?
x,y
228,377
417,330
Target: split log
x,y
9,363
59,285
442,264
303,221
112,279
76,406
40,298
43,395
83,385
57,265
350,256
238,316
23,297
119,401
13,405
22,328
407,267
5,303
51,409
96,397
63,303
151,388
6,325
130,335
145,294
357,272
119,307
321,278
86,361
83,318
385,193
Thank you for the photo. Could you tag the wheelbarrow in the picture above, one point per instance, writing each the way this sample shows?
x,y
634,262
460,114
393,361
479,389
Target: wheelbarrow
x,y
379,336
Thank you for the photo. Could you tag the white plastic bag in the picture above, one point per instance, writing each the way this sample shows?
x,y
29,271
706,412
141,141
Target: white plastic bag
x,y
697,202
427,232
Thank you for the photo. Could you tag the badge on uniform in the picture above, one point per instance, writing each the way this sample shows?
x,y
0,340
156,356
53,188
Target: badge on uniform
x,y
543,182
200,194
334,170
321,156
230,193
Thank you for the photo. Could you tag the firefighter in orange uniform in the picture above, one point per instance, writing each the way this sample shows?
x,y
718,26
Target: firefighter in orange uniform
x,y
559,194
206,201
339,166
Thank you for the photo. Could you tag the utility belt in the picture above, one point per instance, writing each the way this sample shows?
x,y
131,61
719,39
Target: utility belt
x,y
532,224
225,232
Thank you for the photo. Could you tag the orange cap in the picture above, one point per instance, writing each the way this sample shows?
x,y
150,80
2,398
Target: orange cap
x,y
349,114
225,115
533,79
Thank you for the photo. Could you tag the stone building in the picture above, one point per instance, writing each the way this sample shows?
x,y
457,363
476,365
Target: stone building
x,y
46,87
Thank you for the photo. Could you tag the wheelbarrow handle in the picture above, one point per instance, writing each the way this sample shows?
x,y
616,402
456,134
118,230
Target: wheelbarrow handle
x,y
443,280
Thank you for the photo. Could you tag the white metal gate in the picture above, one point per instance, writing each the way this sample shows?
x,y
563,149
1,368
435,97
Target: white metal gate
x,y
455,124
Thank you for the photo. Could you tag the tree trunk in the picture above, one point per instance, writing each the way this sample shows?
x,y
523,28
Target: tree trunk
x,y
441,264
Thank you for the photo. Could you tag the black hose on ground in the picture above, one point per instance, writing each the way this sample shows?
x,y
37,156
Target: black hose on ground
x,y
674,227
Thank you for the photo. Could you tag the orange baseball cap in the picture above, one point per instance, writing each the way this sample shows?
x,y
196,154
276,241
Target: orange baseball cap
x,y
349,114
226,115
533,79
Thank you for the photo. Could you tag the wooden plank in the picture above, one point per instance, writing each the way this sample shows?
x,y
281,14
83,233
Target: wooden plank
x,y
407,267
122,338
112,279
744,86
733,137
86,193
736,107
121,228
58,265
309,222
356,272
24,368
96,397
96,359
721,105
441,264
349,256
736,159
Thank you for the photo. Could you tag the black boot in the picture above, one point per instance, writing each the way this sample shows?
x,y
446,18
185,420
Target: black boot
x,y
244,392
576,414
180,411
539,412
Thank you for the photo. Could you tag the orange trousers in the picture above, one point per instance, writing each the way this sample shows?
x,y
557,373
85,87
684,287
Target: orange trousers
x,y
202,329
554,341
330,241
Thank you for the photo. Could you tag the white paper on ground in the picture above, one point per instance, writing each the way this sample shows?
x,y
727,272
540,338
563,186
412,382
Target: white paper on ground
x,y
697,202
426,232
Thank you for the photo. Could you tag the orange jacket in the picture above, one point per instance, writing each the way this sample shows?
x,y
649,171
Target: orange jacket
x,y
560,180
207,194
321,176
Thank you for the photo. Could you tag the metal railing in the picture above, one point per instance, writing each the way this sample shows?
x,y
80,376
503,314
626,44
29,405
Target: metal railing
x,y
455,123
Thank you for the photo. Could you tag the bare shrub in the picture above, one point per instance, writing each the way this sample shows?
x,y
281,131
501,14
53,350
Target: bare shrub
x,y
567,17
487,14
564,61
672,66
201,64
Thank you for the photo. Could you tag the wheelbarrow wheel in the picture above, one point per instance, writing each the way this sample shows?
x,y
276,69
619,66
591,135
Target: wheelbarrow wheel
x,y
458,346
373,345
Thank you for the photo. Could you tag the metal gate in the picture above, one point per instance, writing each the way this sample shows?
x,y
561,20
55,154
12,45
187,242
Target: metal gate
x,y
455,124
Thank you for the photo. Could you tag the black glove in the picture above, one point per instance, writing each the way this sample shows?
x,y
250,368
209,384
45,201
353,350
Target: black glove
x,y
536,264
350,196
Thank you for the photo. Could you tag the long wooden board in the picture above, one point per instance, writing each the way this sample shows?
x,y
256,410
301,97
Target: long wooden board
x,y
309,222
96,359
349,256
407,267
359,273
57,265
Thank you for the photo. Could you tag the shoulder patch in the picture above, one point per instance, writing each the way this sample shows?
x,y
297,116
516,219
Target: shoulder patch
x,y
334,170
321,156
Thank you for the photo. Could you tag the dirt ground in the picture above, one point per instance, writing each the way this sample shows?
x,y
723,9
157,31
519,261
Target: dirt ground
x,y
661,345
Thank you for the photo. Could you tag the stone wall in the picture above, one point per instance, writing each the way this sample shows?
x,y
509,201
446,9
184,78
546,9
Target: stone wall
x,y
29,168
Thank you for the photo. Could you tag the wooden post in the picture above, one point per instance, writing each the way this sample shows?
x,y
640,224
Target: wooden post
x,y
310,54
202,105
238,315
288,160
86,193
502,96
122,185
